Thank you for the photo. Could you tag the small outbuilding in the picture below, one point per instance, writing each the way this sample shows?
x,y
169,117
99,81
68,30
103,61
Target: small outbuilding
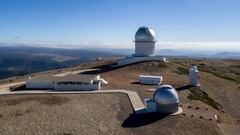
x,y
151,80
69,82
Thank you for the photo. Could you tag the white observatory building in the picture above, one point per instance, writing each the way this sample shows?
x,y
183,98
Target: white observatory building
x,y
145,39
165,101
144,42
193,76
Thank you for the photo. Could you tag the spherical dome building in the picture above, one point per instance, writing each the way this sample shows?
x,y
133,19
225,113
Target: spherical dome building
x,y
145,34
144,42
166,99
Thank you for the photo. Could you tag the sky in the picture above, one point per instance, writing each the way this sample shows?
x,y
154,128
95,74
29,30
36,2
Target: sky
x,y
204,24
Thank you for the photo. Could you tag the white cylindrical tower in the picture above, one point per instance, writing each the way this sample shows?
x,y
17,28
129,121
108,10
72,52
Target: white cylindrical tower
x,y
144,42
193,76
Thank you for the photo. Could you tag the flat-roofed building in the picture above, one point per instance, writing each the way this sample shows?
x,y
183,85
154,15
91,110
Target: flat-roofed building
x,y
148,79
69,82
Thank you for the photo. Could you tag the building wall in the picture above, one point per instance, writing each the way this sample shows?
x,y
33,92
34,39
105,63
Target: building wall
x,y
145,80
143,49
193,78
132,60
82,86
150,105
167,109
39,84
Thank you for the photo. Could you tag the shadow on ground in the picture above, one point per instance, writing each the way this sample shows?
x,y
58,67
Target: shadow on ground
x,y
185,87
138,83
113,66
24,88
138,120
18,88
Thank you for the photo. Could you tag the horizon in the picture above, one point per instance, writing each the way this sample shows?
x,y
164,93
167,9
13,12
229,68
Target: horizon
x,y
186,24
188,46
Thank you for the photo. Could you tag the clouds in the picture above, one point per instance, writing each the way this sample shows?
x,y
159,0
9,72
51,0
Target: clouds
x,y
203,46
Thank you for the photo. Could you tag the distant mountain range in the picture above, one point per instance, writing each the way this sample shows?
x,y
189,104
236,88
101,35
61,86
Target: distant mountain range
x,y
199,54
178,53
230,55
21,60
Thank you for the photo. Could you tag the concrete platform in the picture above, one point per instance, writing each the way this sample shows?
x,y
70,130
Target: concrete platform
x,y
135,100
131,60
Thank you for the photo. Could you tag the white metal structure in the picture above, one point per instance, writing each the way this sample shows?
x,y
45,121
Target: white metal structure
x,y
103,82
69,82
144,42
193,76
147,79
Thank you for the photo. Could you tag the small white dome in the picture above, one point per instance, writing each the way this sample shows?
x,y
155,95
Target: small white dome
x,y
166,94
145,34
166,99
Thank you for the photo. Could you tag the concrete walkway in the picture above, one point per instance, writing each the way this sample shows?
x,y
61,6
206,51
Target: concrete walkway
x,y
134,98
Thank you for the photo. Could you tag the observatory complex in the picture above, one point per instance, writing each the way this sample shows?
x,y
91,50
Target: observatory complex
x,y
145,40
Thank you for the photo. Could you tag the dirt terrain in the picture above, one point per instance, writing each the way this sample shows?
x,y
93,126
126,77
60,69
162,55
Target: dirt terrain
x,y
60,114
218,95
73,114
222,91
209,109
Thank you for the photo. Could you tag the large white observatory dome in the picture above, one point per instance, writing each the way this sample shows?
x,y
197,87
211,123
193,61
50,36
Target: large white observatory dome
x,y
145,34
166,99
144,42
